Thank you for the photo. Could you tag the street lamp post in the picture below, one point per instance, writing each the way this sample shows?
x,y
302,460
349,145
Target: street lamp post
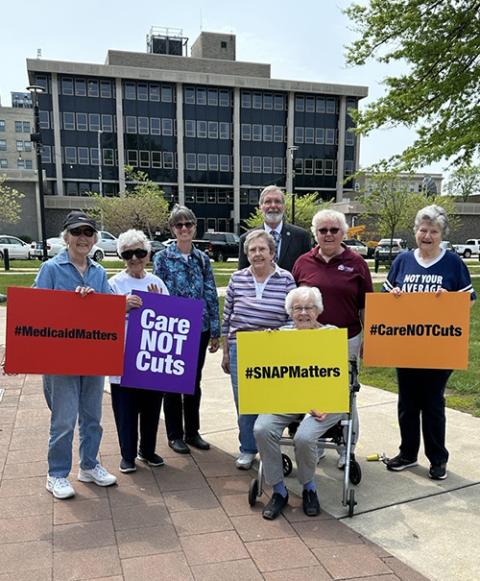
x,y
100,182
36,139
291,150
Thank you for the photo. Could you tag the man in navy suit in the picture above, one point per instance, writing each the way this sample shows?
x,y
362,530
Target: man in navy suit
x,y
291,241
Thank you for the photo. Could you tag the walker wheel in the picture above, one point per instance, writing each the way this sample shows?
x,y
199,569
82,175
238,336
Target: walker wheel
x,y
253,492
351,502
355,472
287,465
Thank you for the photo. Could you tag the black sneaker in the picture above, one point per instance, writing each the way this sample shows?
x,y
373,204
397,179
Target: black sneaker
x,y
438,471
153,460
311,504
274,506
399,463
127,466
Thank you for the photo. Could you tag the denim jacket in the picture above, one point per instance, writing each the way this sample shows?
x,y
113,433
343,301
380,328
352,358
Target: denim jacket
x,y
192,278
59,273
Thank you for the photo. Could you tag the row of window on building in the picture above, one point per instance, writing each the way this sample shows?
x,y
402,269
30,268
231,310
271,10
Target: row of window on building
x,y
20,145
84,87
320,167
21,163
319,135
20,126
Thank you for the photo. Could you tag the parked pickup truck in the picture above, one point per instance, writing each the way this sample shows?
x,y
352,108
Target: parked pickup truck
x,y
471,246
219,245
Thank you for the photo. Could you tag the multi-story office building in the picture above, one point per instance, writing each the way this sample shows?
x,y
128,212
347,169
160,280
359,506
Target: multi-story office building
x,y
16,151
213,131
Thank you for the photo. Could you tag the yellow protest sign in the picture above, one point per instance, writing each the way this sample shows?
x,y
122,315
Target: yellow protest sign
x,y
293,371
418,330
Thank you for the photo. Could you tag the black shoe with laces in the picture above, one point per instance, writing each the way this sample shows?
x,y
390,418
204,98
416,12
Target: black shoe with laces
x,y
438,471
400,463
274,506
311,504
153,460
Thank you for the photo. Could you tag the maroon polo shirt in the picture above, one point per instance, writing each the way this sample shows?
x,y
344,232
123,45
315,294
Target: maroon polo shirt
x,y
343,282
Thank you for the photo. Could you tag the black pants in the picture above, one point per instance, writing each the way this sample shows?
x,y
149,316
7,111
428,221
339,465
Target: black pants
x,y
421,394
180,408
129,406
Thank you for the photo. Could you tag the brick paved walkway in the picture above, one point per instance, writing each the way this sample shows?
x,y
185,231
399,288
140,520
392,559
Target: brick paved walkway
x,y
187,520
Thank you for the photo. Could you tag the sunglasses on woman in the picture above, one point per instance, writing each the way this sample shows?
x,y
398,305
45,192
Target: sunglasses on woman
x,y
324,231
138,252
187,225
88,232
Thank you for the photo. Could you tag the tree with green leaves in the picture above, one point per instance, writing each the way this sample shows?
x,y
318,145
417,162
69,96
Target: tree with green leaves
x,y
464,182
143,206
9,202
439,93
389,204
305,207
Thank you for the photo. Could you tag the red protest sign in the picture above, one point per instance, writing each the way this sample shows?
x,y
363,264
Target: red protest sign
x,y
61,333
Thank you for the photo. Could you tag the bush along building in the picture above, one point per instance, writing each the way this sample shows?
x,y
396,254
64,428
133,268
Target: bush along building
x,y
211,130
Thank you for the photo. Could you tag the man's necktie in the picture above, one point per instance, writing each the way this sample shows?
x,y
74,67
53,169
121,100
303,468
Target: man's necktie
x,y
276,236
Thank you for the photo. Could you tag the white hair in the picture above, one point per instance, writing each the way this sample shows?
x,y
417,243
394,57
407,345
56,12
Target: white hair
x,y
304,293
270,190
333,215
435,215
133,238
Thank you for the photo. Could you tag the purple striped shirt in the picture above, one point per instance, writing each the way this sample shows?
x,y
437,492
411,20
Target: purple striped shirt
x,y
243,311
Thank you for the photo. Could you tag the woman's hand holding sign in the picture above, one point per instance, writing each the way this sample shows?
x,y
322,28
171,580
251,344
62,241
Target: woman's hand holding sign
x,y
133,302
83,291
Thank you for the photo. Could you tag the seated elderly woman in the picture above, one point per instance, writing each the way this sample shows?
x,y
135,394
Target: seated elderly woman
x,y
304,305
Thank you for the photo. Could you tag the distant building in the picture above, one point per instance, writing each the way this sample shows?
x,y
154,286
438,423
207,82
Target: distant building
x,y
415,182
16,122
211,130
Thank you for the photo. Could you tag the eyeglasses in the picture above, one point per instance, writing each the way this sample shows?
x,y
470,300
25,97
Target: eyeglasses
x,y
138,252
324,231
88,232
187,225
306,308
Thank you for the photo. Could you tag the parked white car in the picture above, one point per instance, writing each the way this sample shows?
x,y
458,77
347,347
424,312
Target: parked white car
x,y
56,245
17,249
107,242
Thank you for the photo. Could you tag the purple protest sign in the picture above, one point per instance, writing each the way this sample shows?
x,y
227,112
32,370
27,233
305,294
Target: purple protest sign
x,y
161,347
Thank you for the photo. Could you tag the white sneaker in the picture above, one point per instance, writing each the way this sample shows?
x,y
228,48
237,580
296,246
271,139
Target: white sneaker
x,y
245,460
342,460
99,475
59,487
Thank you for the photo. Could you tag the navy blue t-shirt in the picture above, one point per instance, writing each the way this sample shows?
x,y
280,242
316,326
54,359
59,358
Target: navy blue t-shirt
x,y
448,271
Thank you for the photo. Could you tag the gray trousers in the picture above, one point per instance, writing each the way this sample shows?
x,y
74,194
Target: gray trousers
x,y
269,429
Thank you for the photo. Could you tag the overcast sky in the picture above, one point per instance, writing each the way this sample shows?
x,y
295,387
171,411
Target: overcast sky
x,y
302,40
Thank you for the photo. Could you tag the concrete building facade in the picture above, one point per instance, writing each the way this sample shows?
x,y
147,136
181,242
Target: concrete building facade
x,y
16,122
211,130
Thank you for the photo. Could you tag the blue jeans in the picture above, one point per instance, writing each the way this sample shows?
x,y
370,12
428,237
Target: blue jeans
x,y
70,397
245,421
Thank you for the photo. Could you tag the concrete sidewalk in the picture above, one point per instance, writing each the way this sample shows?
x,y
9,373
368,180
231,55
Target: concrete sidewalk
x,y
191,519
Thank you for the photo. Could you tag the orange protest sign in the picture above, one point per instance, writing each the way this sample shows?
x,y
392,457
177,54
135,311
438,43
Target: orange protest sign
x,y
61,333
418,330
